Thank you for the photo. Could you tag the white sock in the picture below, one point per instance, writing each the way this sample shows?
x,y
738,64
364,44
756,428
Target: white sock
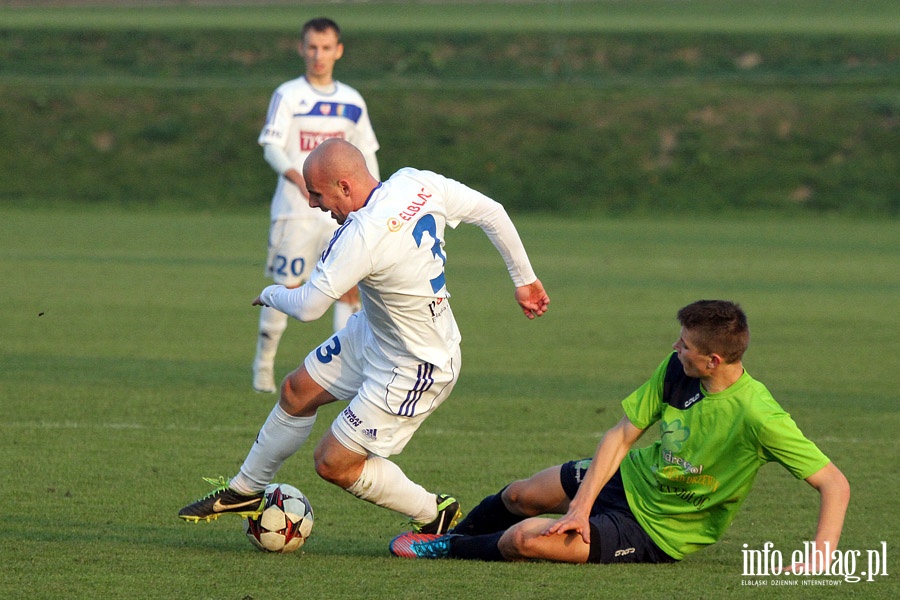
x,y
342,312
272,324
384,484
280,437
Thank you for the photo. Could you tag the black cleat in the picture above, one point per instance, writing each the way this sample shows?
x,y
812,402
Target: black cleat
x,y
222,500
447,517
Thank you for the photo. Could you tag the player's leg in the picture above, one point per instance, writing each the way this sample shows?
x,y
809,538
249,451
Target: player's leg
x,y
329,372
615,534
522,541
375,479
615,538
391,404
526,541
371,478
547,492
541,493
293,252
272,324
286,429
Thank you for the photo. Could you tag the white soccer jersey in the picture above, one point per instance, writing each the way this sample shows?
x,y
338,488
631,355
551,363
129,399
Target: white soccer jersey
x,y
300,117
394,248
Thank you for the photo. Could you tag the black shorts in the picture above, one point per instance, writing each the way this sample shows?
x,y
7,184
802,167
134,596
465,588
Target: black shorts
x,y
616,536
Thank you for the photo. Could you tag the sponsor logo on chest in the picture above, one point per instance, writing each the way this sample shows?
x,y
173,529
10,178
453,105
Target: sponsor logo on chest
x,y
415,206
309,140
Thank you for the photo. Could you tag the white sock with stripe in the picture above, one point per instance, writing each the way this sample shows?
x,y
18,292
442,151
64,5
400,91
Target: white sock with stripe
x,y
384,483
278,439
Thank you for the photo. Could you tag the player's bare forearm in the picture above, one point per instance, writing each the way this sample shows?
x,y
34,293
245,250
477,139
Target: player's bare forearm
x,y
294,176
834,495
533,299
834,492
609,454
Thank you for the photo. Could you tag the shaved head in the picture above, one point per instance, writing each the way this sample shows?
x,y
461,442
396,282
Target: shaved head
x,y
337,178
336,158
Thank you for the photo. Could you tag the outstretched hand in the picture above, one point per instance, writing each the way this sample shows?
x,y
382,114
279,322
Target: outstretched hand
x,y
571,523
533,299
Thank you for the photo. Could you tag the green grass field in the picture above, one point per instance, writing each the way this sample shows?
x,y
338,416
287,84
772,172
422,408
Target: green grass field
x,y
770,16
127,338
126,330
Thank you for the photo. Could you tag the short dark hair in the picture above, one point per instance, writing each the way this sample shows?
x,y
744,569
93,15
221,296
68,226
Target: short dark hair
x,y
320,24
719,326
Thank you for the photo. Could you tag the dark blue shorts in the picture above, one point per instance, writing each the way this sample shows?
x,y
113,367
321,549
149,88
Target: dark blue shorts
x,y
616,536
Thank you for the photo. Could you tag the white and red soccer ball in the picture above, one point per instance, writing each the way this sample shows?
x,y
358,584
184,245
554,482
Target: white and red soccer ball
x,y
285,522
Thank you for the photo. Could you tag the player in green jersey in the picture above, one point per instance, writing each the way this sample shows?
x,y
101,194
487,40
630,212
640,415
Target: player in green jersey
x,y
659,503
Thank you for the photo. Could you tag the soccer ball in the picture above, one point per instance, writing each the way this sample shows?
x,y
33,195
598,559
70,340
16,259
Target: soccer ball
x,y
285,523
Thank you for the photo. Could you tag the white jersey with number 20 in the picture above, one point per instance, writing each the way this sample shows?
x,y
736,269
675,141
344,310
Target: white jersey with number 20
x,y
300,118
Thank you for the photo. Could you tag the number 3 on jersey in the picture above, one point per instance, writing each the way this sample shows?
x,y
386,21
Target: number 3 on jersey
x,y
428,225
327,351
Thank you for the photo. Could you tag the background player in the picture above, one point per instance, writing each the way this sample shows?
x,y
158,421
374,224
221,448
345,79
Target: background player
x,y
302,113
398,359
658,503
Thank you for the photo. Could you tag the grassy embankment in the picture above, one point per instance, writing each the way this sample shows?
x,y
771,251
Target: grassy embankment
x,y
604,122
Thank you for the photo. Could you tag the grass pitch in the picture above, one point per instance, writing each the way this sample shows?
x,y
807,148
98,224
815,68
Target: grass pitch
x,y
127,339
712,16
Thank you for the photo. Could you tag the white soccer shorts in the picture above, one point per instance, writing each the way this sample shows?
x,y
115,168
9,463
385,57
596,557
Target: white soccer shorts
x,y
295,246
388,402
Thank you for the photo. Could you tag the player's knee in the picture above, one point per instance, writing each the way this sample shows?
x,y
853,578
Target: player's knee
x,y
290,395
327,470
517,543
297,394
520,498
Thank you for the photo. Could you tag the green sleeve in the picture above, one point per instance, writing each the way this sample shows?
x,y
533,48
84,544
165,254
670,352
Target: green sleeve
x,y
782,441
644,406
